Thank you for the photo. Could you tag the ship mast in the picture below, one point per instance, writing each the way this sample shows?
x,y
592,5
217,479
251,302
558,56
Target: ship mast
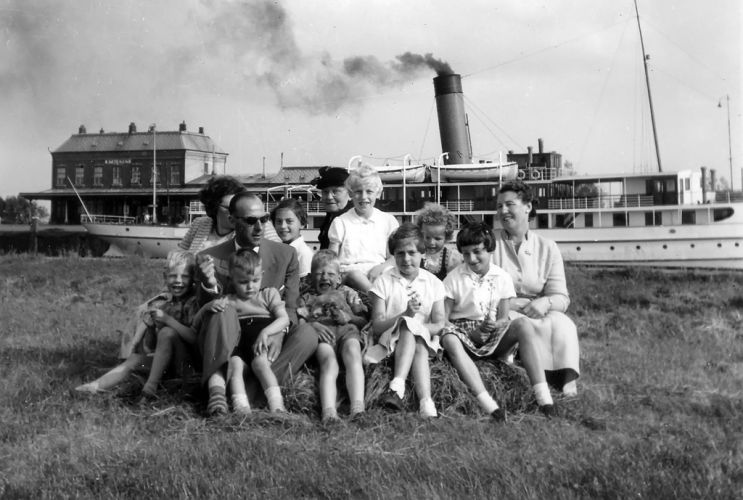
x,y
645,58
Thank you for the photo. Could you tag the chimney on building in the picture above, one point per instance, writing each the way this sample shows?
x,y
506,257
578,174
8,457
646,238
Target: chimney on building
x,y
541,145
182,126
132,127
81,130
704,184
201,130
529,156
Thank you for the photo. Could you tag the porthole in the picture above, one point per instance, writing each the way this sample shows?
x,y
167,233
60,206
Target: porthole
x,y
719,245
736,244
611,248
692,245
577,248
665,247
637,247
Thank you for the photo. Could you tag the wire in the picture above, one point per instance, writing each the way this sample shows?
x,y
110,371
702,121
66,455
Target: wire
x,y
543,49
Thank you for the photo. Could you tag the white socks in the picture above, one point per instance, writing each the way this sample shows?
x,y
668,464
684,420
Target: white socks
x,y
542,393
427,408
487,403
397,384
275,400
240,403
570,389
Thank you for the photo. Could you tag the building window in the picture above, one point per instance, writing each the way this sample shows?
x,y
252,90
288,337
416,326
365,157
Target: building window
x,y
206,167
688,217
175,177
116,178
135,176
98,176
79,176
61,177
619,220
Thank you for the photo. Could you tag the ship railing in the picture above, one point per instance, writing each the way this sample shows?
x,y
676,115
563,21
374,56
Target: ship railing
x,y
608,201
459,206
107,219
728,196
310,206
196,208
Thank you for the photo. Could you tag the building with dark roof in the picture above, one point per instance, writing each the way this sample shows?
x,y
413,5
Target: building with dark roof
x,y
113,173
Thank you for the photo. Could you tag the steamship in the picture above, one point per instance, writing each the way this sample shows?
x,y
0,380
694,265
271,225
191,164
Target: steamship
x,y
664,219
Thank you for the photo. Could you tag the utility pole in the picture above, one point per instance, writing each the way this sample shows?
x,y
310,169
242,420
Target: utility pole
x,y
154,175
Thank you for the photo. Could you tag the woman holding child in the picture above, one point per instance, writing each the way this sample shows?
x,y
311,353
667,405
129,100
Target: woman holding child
x,y
536,266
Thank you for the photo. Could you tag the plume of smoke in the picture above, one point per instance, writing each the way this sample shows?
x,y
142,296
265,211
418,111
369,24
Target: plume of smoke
x,y
258,34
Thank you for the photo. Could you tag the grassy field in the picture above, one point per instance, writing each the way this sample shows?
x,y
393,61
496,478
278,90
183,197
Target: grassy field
x,y
659,412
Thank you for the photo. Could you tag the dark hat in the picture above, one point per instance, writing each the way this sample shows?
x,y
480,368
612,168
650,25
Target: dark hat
x,y
330,177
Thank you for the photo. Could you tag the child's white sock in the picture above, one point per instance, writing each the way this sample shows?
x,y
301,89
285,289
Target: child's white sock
x,y
542,393
570,389
427,408
240,403
397,384
89,387
357,407
275,400
329,413
487,403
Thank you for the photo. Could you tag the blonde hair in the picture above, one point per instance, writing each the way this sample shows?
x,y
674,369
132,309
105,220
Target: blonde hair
x,y
433,214
365,175
177,258
245,260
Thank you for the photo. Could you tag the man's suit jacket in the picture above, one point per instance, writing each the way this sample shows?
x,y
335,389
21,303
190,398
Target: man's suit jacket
x,y
280,270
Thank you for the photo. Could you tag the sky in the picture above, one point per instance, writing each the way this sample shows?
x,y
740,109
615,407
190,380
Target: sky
x,y
321,81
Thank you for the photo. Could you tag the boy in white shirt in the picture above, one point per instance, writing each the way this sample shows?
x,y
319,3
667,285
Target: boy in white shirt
x,y
359,236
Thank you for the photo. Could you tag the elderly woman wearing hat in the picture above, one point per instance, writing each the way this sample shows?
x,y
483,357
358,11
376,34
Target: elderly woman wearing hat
x,y
334,197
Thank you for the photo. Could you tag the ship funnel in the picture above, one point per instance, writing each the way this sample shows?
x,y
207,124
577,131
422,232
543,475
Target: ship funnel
x,y
713,179
704,184
452,119
541,145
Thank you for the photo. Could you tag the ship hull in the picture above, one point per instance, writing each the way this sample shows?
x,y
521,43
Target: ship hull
x,y
133,239
699,246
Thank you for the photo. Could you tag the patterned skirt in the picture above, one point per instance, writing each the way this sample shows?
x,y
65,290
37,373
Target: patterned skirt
x,y
464,328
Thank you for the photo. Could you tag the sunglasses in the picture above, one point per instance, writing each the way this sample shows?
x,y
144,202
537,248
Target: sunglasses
x,y
252,221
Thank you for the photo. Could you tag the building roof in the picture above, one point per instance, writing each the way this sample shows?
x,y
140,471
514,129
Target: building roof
x,y
139,141
295,175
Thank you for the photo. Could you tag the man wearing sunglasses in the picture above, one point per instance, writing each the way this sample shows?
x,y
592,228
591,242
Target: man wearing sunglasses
x,y
280,271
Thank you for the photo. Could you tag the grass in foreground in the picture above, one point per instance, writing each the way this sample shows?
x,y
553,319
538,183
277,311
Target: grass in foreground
x,y
658,412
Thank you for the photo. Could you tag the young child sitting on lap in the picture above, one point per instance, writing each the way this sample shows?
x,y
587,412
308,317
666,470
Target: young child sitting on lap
x,y
336,313
258,313
165,326
407,314
359,236
477,304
